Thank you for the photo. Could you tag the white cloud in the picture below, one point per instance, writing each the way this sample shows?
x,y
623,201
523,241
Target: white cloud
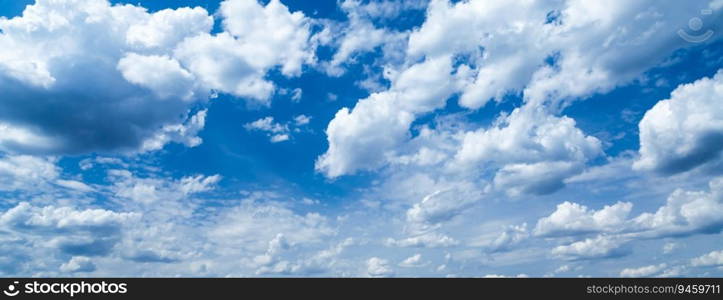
x,y
425,240
686,213
714,258
256,38
360,35
365,137
186,133
572,218
383,9
23,172
166,28
378,267
221,64
301,120
161,74
685,131
266,124
74,185
593,248
25,215
535,151
296,95
269,35
50,230
278,132
499,49
645,271
510,237
515,44
412,261
149,190
670,247
88,76
441,206
79,77
78,264
251,225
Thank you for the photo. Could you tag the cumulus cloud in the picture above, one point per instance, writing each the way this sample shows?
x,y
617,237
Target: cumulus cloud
x,y
383,9
593,248
78,264
412,261
278,132
89,232
82,76
535,151
360,35
147,191
572,218
378,267
642,271
425,240
441,206
645,271
365,137
481,51
23,172
685,213
714,258
245,225
72,77
498,39
686,131
256,39
509,238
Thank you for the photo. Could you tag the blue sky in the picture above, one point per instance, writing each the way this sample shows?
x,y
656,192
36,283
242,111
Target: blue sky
x,y
361,138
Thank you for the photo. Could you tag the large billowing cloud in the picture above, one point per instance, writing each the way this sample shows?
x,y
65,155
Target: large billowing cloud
x,y
367,136
533,150
685,213
69,231
686,131
549,52
82,76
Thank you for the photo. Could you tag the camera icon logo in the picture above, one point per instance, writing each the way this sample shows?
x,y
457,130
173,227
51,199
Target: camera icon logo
x,y
696,24
12,291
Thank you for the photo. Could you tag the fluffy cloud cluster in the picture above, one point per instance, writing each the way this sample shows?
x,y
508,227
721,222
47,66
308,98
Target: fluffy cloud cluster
x,y
551,53
534,151
82,76
685,213
685,131
158,220
714,258
594,47
360,34
22,172
592,248
368,135
645,271
571,218
150,190
441,206
378,267
278,132
69,231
